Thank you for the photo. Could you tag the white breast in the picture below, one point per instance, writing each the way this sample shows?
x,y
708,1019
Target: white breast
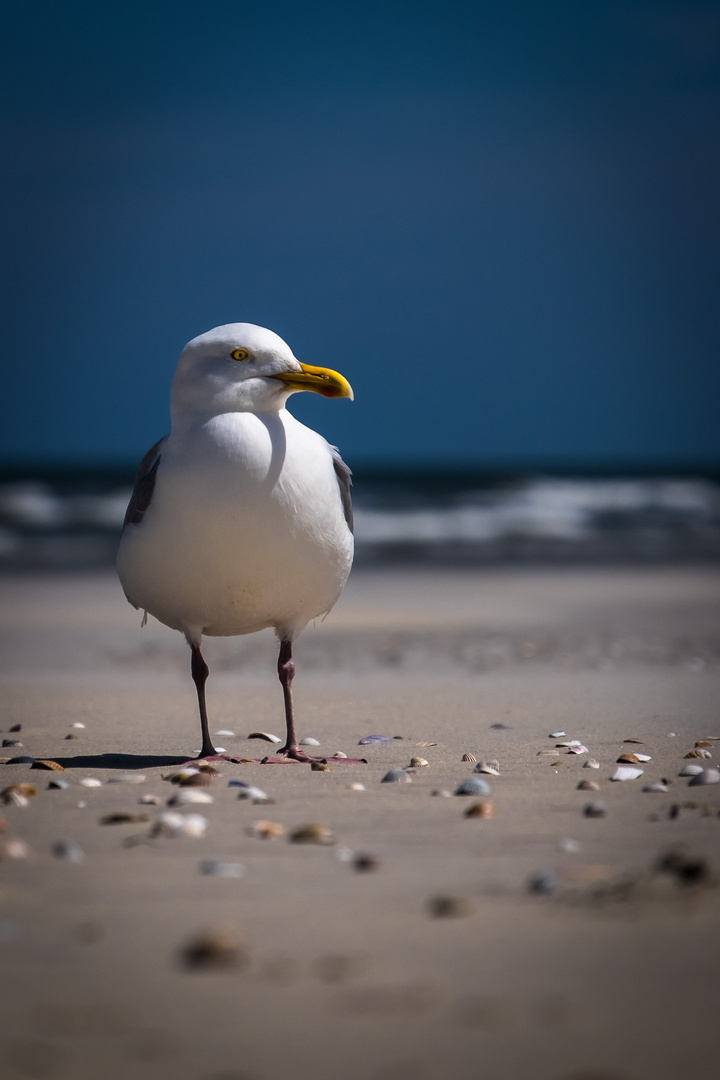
x,y
245,529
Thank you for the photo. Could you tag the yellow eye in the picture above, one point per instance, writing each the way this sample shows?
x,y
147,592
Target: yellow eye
x,y
239,354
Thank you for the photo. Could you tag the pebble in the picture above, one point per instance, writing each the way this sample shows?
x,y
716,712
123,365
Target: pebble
x,y
396,776
58,782
128,778
171,824
266,735
217,868
482,809
309,741
256,795
218,949
707,776
91,781
591,763
473,786
189,796
68,850
449,907
312,833
626,772
691,770
658,786
265,830
588,785
15,727
13,849
542,882
365,863
491,768
595,810
368,739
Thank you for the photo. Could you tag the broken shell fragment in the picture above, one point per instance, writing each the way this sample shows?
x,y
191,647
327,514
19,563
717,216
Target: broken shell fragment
x,y
312,833
473,786
45,763
218,949
265,735
579,749
396,776
591,763
626,772
707,776
588,785
265,830
481,809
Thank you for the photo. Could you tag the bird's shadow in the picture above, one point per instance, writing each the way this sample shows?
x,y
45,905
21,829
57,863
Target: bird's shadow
x,y
119,761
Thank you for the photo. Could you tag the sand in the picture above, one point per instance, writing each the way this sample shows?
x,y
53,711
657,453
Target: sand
x,y
341,973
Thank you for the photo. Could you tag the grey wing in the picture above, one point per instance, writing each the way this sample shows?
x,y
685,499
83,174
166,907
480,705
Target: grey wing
x,y
344,479
144,485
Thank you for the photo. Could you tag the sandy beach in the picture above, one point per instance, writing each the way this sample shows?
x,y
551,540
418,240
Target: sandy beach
x,y
432,957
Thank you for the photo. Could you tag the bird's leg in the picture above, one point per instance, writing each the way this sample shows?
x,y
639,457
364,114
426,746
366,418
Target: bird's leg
x,y
200,673
286,674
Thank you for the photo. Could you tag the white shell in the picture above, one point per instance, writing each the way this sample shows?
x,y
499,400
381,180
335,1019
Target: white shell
x,y
224,731
77,724
172,824
691,770
487,767
626,772
91,781
556,735
591,763
643,757
255,794
579,749
128,778
568,743
707,776
309,741
266,735
396,776
186,796
657,786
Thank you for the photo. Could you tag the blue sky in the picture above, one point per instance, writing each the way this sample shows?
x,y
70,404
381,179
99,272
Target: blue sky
x,y
499,220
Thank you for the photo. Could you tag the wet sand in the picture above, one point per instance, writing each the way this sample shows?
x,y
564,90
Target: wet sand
x,y
344,973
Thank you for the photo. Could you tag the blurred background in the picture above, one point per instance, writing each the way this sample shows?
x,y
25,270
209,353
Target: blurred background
x,y
500,221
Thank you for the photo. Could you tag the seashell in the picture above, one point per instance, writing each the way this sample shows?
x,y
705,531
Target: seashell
x,y
595,810
482,809
309,741
542,882
588,785
553,764
356,787
217,868
500,727
658,786
567,743
13,849
320,766
339,753
441,793
150,800
201,778
449,907
629,759
626,772
11,742
423,744
256,795
77,724
396,776
189,796
638,742
492,768
419,763
688,869
642,758
556,735
368,739
171,824
473,786
707,776
704,744
91,781
123,817
57,782
591,763
24,791
218,949
266,735
128,778
365,863
71,736
699,754
570,846
690,770
68,850
468,757
312,833
579,749
44,763
223,732
265,830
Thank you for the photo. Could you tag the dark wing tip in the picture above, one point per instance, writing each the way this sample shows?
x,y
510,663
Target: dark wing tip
x,y
144,485
344,479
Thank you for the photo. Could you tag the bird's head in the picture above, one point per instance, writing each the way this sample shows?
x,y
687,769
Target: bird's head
x,y
242,367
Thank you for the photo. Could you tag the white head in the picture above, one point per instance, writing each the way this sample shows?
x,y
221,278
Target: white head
x,y
240,367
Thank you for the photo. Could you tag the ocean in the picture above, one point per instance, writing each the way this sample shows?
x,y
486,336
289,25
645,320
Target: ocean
x,y
70,519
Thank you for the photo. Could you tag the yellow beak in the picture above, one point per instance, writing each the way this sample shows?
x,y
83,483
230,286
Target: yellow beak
x,y
318,379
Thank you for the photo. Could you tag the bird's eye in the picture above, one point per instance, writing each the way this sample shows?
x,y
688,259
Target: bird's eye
x,y
239,354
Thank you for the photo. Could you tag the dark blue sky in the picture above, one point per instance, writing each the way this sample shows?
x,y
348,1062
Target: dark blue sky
x,y
501,221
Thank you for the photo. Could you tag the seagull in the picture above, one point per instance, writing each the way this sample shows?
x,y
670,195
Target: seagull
x,y
240,518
